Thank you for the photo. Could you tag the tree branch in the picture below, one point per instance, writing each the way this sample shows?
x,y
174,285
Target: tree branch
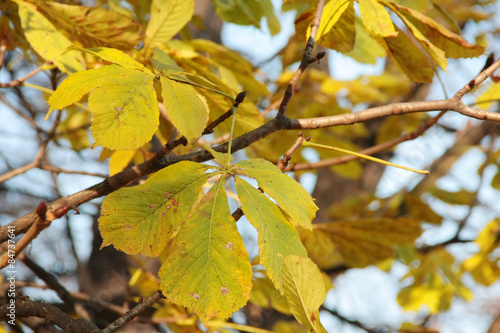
x,y
137,310
25,308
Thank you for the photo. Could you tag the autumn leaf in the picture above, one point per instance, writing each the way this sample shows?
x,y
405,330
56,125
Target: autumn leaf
x,y
290,196
207,267
367,241
168,17
91,25
49,42
376,19
276,235
140,219
304,289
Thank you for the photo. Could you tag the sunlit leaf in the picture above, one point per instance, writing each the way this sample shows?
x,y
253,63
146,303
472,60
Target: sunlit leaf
x,y
125,112
168,17
290,196
452,44
304,289
185,109
47,40
75,86
114,56
276,234
141,219
207,268
93,26
376,19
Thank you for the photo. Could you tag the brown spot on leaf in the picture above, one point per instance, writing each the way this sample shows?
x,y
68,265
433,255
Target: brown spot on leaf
x,y
119,109
229,246
197,296
175,210
175,203
191,294
224,291
128,227
163,214
167,195
168,206
147,189
313,317
153,206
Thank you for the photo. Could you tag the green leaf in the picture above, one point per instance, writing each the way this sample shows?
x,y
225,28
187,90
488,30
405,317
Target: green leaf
x,y
73,88
93,26
304,289
115,56
168,17
125,112
207,269
368,241
290,196
47,40
276,234
141,219
185,109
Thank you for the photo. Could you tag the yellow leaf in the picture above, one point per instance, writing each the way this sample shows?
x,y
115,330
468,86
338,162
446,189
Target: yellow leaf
x,y
125,112
408,57
168,17
462,197
337,30
207,268
376,19
492,94
320,248
119,160
114,56
304,289
93,26
367,241
47,40
184,108
452,44
264,294
140,219
75,86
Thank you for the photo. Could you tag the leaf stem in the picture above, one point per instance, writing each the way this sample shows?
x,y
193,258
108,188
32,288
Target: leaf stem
x,y
374,159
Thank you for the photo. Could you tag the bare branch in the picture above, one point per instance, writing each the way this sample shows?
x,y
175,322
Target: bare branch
x,y
283,162
137,310
306,59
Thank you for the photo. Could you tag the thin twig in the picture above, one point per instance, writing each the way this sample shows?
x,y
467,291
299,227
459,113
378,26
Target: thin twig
x,y
3,47
17,82
38,159
134,312
52,168
283,162
306,59
44,220
368,151
208,130
351,321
